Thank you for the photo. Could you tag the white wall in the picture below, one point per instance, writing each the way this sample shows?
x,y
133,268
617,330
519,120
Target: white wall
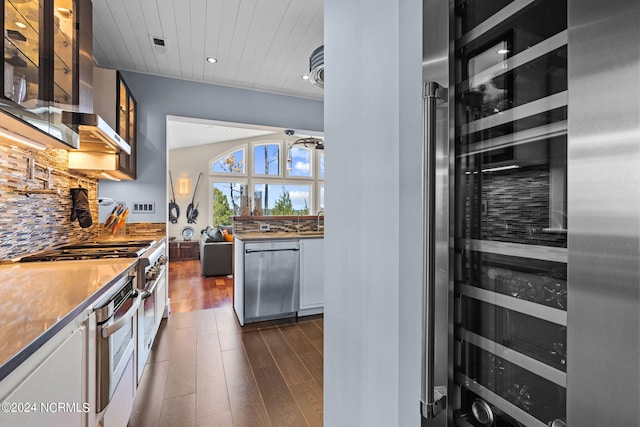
x,y
158,97
189,162
372,320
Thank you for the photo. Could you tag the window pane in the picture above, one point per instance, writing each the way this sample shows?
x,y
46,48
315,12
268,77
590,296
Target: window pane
x,y
300,161
321,160
282,199
321,196
230,163
226,202
266,159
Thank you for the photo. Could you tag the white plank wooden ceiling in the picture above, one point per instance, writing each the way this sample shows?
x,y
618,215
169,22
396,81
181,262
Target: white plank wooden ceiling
x,y
259,44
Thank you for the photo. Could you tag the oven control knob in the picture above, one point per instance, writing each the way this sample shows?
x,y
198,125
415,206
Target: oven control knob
x,y
162,259
152,273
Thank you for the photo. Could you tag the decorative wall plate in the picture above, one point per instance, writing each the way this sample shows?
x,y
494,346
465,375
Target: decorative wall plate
x,y
187,232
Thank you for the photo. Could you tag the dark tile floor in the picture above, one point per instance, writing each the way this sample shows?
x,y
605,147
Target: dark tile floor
x,y
206,370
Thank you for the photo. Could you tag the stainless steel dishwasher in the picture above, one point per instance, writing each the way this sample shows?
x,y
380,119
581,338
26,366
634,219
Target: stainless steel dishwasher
x,y
271,280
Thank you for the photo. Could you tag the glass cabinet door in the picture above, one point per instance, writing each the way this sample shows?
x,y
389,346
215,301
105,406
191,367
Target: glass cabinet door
x,y
64,51
123,108
126,126
510,262
22,39
40,73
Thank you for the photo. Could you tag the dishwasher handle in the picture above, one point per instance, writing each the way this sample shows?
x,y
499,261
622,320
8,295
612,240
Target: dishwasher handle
x,y
250,251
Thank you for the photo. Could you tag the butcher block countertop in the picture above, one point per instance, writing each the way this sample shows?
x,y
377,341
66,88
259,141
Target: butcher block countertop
x,y
37,299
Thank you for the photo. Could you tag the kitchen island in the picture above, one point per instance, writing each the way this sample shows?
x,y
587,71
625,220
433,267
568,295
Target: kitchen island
x,y
278,275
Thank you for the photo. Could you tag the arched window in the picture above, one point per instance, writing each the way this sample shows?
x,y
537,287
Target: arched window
x,y
266,159
256,184
230,163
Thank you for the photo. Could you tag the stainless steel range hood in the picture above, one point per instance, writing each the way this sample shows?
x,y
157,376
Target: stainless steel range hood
x,y
95,134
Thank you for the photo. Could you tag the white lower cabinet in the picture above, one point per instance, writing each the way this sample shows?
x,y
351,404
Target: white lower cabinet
x,y
121,405
311,276
48,389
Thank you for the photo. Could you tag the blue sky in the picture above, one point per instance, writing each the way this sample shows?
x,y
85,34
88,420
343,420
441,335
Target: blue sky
x,y
300,194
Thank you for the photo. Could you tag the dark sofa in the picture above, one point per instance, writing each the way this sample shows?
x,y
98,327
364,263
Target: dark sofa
x,y
216,254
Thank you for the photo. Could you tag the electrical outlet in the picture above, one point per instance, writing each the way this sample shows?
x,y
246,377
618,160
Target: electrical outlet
x,y
144,208
264,227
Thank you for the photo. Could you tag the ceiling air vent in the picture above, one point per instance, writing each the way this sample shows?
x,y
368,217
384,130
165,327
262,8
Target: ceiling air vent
x,y
159,45
316,67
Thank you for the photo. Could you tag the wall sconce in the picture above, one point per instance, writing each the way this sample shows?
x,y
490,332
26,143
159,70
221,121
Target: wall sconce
x,y
183,185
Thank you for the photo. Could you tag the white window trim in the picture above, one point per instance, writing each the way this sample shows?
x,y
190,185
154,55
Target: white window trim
x,y
247,162
312,165
286,182
249,179
281,158
218,179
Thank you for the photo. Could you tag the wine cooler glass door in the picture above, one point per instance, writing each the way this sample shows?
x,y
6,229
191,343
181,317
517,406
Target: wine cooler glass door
x,y
509,107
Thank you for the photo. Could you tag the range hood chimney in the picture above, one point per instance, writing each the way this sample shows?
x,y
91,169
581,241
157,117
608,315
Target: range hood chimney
x,y
95,134
101,147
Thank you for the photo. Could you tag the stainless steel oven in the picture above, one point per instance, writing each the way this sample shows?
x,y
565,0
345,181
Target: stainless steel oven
x,y
116,338
153,271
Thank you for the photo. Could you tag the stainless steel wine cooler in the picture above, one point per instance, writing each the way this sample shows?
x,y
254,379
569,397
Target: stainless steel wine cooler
x,y
531,213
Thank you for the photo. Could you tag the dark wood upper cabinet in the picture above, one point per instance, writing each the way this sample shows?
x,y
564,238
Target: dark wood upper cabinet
x,y
126,126
43,40
114,102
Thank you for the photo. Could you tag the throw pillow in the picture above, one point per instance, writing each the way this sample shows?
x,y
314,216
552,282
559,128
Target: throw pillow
x,y
217,236
227,228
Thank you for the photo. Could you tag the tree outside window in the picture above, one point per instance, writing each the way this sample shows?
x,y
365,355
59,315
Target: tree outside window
x,y
232,163
289,200
254,172
226,201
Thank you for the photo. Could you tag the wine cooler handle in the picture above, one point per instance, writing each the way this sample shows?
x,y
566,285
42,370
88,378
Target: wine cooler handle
x,y
433,399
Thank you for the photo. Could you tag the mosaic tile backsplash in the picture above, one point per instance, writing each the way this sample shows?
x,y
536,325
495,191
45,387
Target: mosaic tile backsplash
x,y
30,223
247,224
40,221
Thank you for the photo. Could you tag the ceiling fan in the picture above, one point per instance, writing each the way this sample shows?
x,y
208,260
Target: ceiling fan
x,y
306,141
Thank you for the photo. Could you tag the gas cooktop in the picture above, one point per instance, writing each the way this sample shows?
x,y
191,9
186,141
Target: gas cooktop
x,y
91,250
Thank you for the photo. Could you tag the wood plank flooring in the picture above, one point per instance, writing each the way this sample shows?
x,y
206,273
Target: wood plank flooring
x,y
205,370
190,291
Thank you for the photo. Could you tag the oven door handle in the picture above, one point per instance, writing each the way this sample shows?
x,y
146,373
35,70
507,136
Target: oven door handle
x,y
120,323
149,290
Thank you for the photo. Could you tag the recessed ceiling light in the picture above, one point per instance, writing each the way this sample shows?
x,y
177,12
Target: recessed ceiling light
x,y
211,59
21,25
503,51
305,77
